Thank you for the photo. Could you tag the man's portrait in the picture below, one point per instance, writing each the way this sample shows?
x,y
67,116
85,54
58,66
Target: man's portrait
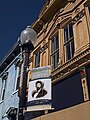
x,y
39,91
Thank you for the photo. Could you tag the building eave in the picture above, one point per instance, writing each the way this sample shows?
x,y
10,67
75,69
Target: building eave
x,y
14,51
47,13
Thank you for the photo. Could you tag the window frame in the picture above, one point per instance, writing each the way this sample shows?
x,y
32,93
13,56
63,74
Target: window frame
x,y
69,47
17,76
55,51
3,86
87,12
37,61
89,8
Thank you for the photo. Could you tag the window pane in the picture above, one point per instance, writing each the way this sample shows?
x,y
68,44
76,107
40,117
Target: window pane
x,y
0,87
69,41
57,57
55,51
4,88
72,48
89,8
68,54
37,59
70,31
18,75
65,34
53,61
53,46
57,41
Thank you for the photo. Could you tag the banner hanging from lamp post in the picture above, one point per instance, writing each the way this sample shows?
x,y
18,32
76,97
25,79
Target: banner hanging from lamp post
x,y
39,93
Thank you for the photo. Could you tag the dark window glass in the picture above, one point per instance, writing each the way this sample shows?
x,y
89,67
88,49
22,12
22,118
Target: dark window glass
x,y
55,51
88,77
89,9
72,46
70,31
69,41
53,46
57,42
4,82
65,34
37,59
3,87
18,78
67,92
68,55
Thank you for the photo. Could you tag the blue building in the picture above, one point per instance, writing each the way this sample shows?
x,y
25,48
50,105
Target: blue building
x,y
13,77
10,71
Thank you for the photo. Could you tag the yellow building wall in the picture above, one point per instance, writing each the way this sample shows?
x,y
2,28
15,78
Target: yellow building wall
x,y
78,112
81,31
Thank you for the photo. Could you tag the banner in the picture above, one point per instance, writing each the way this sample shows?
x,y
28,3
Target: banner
x,y
39,93
41,72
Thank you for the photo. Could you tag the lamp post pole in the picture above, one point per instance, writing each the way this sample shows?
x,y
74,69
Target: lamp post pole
x,y
27,39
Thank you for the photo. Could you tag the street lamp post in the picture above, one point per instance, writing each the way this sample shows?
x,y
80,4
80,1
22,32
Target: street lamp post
x,y
27,40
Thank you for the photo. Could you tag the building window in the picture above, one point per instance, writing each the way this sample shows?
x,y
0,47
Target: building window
x,y
89,9
18,76
37,59
69,41
3,85
55,50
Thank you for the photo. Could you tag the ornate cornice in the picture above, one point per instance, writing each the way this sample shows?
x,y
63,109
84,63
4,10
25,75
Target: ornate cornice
x,y
87,3
78,16
71,66
44,47
4,76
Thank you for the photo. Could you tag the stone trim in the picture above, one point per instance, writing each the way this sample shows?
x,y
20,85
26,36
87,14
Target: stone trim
x,y
71,66
78,16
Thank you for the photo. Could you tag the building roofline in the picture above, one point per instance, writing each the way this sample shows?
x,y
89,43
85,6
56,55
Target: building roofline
x,y
12,53
45,14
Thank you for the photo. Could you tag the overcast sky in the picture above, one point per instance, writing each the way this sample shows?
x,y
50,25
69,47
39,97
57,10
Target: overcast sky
x,y
15,15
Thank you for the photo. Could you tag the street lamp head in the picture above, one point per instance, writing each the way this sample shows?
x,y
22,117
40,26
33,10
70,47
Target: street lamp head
x,y
28,36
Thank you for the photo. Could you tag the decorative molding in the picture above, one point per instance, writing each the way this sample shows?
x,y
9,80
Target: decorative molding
x,y
43,48
77,10
18,61
78,16
71,66
49,2
87,3
4,76
71,1
62,20
84,83
83,48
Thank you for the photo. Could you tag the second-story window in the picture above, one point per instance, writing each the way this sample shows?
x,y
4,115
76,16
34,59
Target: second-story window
x,y
55,50
18,76
37,59
3,85
89,9
69,41
18,69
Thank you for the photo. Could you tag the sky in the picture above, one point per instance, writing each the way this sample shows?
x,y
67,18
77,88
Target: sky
x,y
15,15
